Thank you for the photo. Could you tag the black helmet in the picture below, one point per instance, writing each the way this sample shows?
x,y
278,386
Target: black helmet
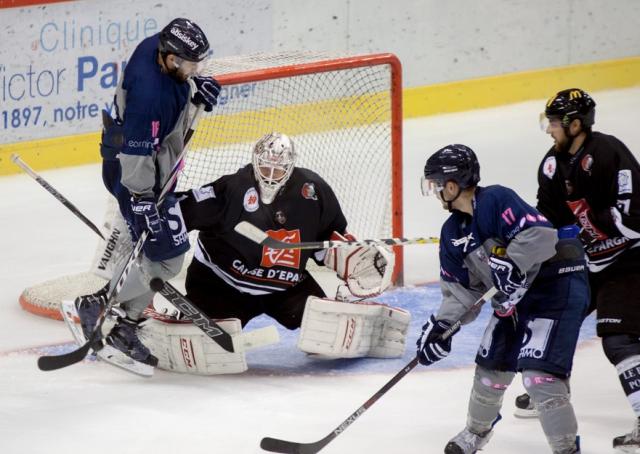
x,y
185,39
454,163
571,104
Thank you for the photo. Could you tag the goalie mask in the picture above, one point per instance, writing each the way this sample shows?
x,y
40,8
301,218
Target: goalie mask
x,y
273,161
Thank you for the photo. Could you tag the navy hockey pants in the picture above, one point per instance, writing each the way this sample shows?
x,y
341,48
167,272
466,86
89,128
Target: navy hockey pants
x,y
544,334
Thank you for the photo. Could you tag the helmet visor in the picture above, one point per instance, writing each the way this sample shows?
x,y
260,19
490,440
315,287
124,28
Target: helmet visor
x,y
431,187
190,68
549,121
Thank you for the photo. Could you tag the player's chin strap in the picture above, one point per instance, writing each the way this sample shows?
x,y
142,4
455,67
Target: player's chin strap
x,y
450,202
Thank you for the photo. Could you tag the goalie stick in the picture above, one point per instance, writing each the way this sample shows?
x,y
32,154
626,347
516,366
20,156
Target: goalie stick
x,y
252,232
47,363
292,447
193,313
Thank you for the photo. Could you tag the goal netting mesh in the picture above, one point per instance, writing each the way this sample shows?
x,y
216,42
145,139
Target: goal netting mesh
x,y
343,114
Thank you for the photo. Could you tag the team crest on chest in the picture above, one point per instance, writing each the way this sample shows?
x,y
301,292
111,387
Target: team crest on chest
x,y
465,242
309,191
549,167
251,200
282,257
587,163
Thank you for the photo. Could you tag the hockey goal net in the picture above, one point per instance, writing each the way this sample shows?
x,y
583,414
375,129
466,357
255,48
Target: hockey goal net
x,y
344,115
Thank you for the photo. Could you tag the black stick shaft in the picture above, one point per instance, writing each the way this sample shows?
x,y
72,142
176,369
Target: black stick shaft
x,y
51,190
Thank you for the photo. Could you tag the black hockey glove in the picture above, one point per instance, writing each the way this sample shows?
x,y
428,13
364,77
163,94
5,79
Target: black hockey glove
x,y
146,212
431,346
207,93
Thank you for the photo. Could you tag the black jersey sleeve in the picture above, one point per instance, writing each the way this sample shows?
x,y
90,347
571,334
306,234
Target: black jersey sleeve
x,y
332,218
551,198
616,173
203,208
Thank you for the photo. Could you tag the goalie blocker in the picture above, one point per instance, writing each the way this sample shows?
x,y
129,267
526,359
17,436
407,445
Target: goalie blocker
x,y
339,329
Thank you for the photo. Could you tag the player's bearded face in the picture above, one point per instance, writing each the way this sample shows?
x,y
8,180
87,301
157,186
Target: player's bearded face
x,y
553,127
181,69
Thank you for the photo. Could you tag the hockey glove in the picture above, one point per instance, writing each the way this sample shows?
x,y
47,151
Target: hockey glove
x,y
591,226
431,346
207,93
509,280
146,213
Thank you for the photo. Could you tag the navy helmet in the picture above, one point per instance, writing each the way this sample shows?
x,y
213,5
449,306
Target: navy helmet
x,y
453,163
571,104
184,39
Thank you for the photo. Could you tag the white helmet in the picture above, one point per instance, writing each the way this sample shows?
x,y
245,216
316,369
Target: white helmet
x,y
273,161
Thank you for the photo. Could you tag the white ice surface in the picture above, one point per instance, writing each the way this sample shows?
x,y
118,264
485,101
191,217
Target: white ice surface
x,y
93,408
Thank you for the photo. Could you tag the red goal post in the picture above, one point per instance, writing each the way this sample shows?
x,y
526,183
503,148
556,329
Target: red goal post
x,y
344,114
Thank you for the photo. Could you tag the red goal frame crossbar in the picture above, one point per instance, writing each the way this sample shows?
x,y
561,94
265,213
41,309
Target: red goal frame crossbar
x,y
396,119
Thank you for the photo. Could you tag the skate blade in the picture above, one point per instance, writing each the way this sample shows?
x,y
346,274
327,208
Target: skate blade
x,y
69,315
524,413
115,357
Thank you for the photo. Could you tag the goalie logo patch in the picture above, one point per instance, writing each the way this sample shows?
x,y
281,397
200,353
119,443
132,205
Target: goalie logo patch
x,y
282,257
309,191
250,201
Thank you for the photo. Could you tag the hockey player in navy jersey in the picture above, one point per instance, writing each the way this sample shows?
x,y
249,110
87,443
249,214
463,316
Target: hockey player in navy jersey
x,y
233,277
140,146
493,238
591,179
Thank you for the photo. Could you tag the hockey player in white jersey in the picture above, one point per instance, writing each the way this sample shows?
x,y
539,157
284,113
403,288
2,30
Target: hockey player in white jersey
x,y
493,238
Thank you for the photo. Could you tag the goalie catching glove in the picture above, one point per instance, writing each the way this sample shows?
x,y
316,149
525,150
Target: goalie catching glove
x,y
367,270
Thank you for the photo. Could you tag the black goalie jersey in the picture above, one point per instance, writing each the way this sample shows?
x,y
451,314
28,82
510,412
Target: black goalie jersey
x,y
306,209
597,189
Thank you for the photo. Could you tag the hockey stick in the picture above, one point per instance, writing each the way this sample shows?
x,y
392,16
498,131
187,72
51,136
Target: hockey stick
x,y
193,313
210,328
62,199
252,232
54,362
291,447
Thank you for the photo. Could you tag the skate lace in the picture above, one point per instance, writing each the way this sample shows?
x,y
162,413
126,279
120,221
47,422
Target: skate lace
x,y
468,440
130,336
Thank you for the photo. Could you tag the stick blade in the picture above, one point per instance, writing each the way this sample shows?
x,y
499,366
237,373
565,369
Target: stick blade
x,y
291,447
47,363
282,446
250,231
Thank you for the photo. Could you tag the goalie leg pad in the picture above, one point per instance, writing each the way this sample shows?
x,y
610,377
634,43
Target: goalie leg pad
x,y
183,347
337,329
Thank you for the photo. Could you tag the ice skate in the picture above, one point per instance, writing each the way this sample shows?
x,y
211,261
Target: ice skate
x,y
629,443
124,338
89,308
525,407
467,442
